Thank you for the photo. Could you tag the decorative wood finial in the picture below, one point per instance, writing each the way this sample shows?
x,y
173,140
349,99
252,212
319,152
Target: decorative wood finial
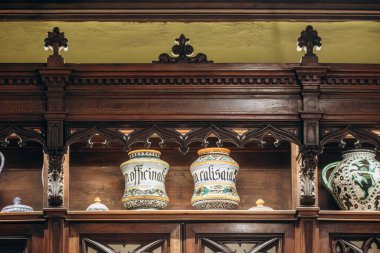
x,y
182,52
308,40
55,41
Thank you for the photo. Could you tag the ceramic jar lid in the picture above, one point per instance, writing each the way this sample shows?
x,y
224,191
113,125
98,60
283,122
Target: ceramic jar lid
x,y
97,206
260,206
17,207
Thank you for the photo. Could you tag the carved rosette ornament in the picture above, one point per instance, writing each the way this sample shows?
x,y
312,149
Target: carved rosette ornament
x,y
182,53
309,155
55,178
307,41
55,41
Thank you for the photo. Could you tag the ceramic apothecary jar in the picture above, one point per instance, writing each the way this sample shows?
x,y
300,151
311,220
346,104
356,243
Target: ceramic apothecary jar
x,y
144,175
214,174
354,182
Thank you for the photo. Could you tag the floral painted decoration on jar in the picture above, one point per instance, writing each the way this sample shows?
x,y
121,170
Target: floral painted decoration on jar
x,y
214,174
144,175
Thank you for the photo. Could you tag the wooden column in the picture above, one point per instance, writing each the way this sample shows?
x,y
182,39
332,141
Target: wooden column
x,y
56,231
56,195
310,76
55,81
307,233
310,79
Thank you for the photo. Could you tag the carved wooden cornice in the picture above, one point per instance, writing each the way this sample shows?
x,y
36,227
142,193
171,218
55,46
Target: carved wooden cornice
x,y
183,74
147,10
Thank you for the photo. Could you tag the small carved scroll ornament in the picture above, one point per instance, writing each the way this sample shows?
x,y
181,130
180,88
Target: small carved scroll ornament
x,y
182,53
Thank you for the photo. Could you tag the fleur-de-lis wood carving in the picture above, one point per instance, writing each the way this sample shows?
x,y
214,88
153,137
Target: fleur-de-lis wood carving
x,y
55,41
182,53
308,40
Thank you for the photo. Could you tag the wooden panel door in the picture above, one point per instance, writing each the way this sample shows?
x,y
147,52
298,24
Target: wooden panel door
x,y
125,238
239,237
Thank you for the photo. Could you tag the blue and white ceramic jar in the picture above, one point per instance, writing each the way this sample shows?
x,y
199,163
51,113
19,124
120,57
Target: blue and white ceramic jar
x,y
144,175
214,174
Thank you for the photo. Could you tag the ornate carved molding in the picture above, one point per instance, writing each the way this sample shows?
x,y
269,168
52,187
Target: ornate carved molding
x,y
360,135
309,156
195,134
182,53
23,135
375,80
308,40
185,80
19,81
55,177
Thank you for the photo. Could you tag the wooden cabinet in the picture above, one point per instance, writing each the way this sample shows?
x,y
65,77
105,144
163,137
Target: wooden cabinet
x,y
283,123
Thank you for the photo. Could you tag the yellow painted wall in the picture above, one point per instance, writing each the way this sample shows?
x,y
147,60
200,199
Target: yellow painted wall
x,y
129,42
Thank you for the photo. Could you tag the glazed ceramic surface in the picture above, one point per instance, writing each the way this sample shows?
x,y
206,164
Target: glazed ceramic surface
x,y
260,206
214,174
355,181
144,176
17,207
2,161
97,206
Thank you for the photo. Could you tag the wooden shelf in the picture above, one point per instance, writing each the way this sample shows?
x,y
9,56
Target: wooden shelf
x,y
182,215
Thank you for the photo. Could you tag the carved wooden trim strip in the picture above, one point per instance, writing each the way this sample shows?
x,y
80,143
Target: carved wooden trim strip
x,y
351,81
197,134
361,136
188,81
23,135
19,81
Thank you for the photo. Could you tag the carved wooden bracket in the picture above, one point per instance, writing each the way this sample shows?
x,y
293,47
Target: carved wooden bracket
x,y
308,40
55,41
309,155
182,52
55,177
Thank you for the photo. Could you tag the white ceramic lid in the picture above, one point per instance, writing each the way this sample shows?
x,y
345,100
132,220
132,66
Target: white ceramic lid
x,y
97,206
17,207
260,206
